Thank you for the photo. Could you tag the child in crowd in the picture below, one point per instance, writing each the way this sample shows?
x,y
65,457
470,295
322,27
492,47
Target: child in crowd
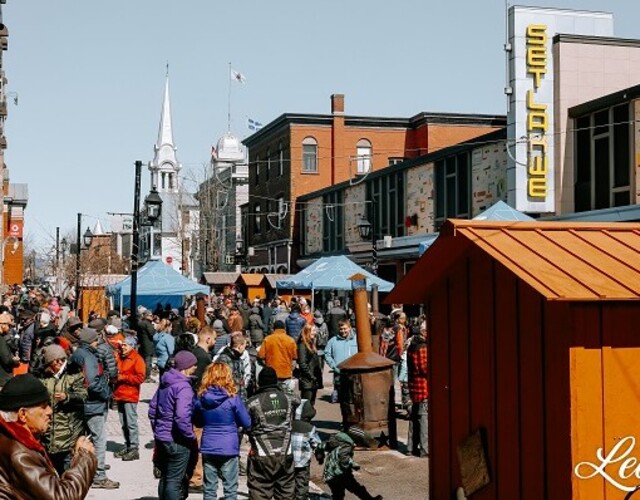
x,y
339,466
304,440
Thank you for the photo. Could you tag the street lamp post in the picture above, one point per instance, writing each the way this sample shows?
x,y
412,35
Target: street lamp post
x,y
153,208
85,241
367,231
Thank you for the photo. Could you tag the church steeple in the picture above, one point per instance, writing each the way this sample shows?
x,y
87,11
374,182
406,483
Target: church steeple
x,y
165,166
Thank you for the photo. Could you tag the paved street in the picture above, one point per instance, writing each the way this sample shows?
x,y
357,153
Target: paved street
x,y
389,473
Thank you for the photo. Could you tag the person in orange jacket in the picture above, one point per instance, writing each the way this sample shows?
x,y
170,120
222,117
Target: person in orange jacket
x,y
131,375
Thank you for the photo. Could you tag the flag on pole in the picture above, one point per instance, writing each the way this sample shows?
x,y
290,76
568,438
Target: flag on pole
x,y
253,125
237,76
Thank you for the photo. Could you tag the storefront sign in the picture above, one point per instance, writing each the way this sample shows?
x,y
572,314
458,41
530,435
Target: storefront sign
x,y
619,462
537,117
531,130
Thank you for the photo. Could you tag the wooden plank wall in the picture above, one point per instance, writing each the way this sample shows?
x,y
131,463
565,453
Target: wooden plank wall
x,y
491,343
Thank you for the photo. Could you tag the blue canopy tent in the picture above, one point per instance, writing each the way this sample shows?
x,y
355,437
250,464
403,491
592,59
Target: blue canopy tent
x,y
331,273
157,283
498,211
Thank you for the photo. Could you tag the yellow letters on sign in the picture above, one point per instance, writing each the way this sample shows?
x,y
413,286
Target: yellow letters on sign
x,y
537,52
537,187
537,117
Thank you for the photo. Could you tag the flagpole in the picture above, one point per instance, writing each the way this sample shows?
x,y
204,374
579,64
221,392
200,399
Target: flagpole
x,y
229,102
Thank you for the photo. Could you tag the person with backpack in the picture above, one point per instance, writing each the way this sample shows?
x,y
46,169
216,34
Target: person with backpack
x,y
84,360
294,323
256,327
322,336
339,466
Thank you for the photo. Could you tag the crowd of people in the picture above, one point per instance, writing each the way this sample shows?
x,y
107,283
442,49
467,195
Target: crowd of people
x,y
248,371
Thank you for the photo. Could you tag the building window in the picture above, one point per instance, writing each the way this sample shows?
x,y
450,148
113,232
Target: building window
x,y
363,156
603,159
257,179
386,195
309,155
280,160
267,169
333,222
257,225
453,191
170,181
163,178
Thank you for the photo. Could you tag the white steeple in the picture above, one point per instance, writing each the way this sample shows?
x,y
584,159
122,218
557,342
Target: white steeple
x,y
165,166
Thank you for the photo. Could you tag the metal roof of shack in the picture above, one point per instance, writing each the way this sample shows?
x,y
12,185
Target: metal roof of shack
x,y
562,261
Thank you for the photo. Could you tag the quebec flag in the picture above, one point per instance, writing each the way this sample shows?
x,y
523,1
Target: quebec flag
x,y
253,125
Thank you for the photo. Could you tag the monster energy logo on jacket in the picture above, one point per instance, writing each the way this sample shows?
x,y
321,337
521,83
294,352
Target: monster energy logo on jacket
x,y
271,411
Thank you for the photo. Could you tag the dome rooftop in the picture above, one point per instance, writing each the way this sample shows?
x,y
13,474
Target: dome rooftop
x,y
230,148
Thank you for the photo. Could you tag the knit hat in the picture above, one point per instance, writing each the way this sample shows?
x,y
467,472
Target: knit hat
x,y
88,335
184,360
110,330
53,352
278,325
218,326
23,391
267,377
131,341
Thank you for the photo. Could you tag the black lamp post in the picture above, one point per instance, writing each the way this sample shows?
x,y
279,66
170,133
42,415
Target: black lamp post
x,y
153,209
367,231
80,242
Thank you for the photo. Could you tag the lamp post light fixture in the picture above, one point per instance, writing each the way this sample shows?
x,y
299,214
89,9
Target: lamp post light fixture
x,y
367,231
87,237
153,212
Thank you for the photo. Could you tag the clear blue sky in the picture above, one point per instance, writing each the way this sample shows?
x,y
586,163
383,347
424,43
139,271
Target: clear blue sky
x,y
90,78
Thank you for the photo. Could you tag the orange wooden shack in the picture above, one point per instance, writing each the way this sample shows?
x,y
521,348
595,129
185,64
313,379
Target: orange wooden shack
x,y
251,286
534,341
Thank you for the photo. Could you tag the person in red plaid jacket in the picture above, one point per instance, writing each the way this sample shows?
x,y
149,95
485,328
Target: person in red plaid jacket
x,y
419,390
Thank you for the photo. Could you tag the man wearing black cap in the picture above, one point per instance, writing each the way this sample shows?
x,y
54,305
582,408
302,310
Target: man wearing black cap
x,y
25,469
270,470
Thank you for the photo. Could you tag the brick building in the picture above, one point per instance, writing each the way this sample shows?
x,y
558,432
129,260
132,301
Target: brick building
x,y
300,153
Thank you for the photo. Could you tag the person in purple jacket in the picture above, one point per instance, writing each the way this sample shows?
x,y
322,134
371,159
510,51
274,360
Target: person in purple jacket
x,y
220,411
170,413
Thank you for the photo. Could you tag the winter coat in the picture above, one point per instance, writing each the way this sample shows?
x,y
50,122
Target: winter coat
x,y
322,333
131,374
222,341
245,311
294,325
267,317
145,337
220,415
338,349
256,328
310,372
27,473
6,361
171,409
84,361
165,345
279,351
67,420
104,353
340,457
235,322
233,360
27,339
